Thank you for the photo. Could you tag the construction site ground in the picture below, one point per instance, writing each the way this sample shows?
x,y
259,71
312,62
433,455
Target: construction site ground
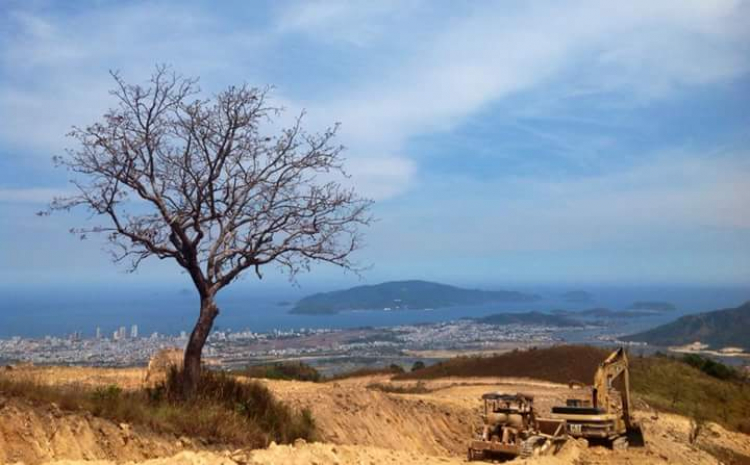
x,y
357,422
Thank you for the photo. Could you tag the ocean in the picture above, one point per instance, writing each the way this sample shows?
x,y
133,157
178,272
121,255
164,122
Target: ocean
x,y
58,311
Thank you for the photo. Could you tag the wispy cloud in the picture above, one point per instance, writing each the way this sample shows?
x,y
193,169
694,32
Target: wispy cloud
x,y
559,83
30,195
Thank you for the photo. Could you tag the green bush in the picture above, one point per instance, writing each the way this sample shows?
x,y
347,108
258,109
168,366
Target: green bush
x,y
393,369
418,365
711,367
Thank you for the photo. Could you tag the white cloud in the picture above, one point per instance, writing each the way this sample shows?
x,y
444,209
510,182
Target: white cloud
x,y
637,48
354,22
683,200
431,70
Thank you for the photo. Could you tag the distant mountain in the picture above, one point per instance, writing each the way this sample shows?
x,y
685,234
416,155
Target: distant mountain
x,y
402,295
528,319
655,306
720,328
577,296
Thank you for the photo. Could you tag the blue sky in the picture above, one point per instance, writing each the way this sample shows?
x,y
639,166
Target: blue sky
x,y
504,142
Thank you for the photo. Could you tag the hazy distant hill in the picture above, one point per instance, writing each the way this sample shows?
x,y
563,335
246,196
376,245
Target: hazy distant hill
x,y
720,328
653,306
402,295
603,313
529,318
577,296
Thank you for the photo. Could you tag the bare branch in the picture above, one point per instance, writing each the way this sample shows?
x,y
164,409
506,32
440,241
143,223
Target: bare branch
x,y
199,181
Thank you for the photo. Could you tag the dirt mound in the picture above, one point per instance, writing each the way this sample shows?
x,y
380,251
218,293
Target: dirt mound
x,y
558,364
350,413
302,454
359,424
33,434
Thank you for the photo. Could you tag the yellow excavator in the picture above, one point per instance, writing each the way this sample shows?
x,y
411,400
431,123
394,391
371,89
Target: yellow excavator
x,y
606,415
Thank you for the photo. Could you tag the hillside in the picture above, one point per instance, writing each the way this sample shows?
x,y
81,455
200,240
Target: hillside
x,y
529,318
720,328
664,383
402,295
558,364
359,422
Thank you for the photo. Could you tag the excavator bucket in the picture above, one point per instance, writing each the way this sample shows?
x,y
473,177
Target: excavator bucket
x,y
635,436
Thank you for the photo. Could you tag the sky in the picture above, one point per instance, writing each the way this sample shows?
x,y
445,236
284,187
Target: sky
x,y
504,143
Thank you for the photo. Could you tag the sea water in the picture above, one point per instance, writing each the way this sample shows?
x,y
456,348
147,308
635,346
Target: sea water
x,y
57,311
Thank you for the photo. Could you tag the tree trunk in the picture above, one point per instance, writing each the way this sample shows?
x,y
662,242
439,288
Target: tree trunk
x,y
194,349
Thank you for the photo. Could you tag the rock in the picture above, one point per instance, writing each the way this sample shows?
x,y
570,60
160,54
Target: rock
x,y
54,410
239,457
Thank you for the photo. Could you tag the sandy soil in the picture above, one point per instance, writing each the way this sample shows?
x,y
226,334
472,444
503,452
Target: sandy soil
x,y
32,435
357,424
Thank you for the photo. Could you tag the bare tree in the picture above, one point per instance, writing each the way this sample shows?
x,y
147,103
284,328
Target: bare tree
x,y
198,181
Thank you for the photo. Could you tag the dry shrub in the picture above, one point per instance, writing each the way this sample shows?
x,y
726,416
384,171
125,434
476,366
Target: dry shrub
x,y
223,410
418,388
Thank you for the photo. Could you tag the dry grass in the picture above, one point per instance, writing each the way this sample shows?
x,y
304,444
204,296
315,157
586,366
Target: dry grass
x,y
559,364
223,411
672,385
417,388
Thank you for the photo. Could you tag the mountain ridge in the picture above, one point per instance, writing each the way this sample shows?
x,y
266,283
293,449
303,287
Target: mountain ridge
x,y
402,295
719,328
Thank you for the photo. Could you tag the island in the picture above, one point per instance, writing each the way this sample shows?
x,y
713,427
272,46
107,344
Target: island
x,y
654,306
720,328
403,295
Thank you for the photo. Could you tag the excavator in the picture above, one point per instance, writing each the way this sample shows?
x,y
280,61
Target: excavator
x,y
606,415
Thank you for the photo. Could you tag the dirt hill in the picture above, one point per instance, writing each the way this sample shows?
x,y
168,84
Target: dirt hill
x,y
36,434
358,424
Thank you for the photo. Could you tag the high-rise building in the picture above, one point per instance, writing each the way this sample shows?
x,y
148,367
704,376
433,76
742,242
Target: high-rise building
x,y
123,333
134,331
98,332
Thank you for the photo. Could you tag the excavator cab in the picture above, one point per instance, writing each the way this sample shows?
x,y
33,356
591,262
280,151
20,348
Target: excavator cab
x,y
606,415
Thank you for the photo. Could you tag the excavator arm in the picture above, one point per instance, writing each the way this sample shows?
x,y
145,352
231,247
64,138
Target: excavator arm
x,y
609,370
